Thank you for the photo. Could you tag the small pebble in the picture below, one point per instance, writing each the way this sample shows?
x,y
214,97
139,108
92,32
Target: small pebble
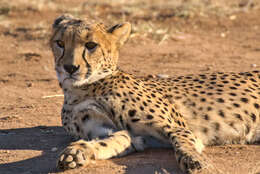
x,y
151,76
163,76
54,149
232,17
29,85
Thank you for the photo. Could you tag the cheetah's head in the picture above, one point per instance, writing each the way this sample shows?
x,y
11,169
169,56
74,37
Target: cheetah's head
x,y
85,52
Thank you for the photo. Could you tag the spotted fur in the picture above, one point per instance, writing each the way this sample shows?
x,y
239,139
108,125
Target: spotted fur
x,y
115,113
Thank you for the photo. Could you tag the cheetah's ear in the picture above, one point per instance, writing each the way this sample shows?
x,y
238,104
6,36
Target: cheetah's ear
x,y
121,31
60,19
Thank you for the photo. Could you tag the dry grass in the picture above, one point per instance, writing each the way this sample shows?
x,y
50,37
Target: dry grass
x,y
148,16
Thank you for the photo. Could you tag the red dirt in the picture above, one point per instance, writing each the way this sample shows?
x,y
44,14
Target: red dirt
x,y
30,126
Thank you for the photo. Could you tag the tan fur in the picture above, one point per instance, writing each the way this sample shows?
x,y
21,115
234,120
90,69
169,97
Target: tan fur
x,y
115,113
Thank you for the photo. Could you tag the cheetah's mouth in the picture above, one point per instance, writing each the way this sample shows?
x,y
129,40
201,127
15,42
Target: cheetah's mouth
x,y
70,78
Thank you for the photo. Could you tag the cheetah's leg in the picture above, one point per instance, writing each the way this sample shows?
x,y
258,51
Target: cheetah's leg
x,y
188,151
81,152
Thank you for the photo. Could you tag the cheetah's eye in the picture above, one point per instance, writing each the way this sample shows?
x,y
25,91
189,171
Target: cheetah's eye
x,y
91,46
60,43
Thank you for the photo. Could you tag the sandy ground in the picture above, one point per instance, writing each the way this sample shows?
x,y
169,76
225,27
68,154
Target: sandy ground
x,y
168,40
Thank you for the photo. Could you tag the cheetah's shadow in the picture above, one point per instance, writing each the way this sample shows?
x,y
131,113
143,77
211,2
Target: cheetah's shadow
x,y
39,138
44,139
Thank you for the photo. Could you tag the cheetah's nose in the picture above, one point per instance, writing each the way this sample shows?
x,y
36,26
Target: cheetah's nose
x,y
71,68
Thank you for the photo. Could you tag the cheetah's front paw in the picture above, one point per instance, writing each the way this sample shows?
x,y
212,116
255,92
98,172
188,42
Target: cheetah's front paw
x,y
75,155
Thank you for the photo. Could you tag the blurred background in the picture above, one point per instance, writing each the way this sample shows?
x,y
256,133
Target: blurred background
x,y
169,38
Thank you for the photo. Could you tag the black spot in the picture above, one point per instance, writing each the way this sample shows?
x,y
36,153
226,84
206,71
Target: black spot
x,y
83,145
206,117
128,127
248,90
113,112
209,108
145,104
220,100
75,101
117,94
220,90
130,92
205,130
195,95
217,126
256,106
149,117
157,106
245,100
166,109
238,116
185,135
167,126
103,144
151,110
178,122
161,117
142,108
86,117
232,94
203,76
150,101
253,80
210,93
153,95
77,127
236,105
132,112
253,116
89,135
225,81
232,87
121,120
202,99
165,104
221,113
192,140
247,129
135,120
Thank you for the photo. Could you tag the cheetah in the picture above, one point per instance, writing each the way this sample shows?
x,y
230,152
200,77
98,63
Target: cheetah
x,y
114,113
